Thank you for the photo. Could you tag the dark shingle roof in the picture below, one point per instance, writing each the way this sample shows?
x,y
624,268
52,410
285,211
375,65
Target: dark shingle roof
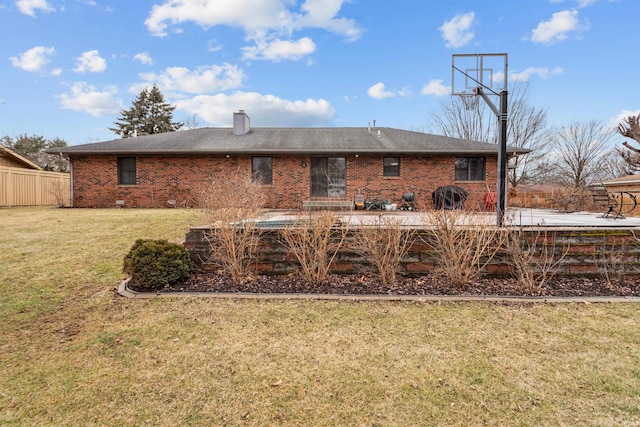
x,y
288,141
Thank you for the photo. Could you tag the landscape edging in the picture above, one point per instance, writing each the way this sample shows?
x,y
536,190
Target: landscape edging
x,y
123,290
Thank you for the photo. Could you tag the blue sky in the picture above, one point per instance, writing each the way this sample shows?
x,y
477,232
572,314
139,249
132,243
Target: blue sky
x,y
70,66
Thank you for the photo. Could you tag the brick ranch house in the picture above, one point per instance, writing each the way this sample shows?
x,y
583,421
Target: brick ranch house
x,y
294,165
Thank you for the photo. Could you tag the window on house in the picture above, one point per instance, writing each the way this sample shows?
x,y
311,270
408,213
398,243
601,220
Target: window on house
x,y
126,170
262,169
391,166
470,169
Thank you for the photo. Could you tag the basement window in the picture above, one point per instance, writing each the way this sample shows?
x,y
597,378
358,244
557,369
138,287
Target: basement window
x,y
262,169
391,166
127,171
470,169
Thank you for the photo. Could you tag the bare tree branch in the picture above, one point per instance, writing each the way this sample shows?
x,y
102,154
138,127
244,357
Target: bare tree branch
x,y
580,152
526,128
630,128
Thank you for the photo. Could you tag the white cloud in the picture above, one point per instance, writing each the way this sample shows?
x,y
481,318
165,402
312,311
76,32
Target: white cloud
x,y
457,31
29,7
581,3
277,50
144,58
436,87
378,91
90,62
541,72
87,99
204,79
322,14
33,59
617,120
214,46
264,110
557,28
258,16
585,3
266,23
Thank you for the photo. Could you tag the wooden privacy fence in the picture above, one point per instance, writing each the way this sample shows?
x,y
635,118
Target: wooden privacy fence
x,y
27,187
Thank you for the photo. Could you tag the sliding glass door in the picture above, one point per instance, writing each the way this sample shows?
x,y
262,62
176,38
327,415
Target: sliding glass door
x,y
328,177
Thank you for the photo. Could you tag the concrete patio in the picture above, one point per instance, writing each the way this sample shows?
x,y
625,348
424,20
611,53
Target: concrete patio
x,y
525,217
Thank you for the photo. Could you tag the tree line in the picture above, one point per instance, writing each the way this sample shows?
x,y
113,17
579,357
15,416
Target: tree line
x,y
32,147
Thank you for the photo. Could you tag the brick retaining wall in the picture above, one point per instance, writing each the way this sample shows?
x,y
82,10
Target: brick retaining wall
x,y
581,252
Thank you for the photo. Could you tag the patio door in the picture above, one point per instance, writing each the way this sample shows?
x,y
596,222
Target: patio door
x,y
328,177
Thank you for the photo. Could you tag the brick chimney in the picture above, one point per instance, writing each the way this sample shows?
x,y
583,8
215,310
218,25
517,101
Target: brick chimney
x,y
241,123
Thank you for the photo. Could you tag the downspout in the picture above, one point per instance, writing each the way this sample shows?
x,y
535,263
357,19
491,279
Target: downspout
x,y
71,180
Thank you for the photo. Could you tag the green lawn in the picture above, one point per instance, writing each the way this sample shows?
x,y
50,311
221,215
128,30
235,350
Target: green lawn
x,y
72,352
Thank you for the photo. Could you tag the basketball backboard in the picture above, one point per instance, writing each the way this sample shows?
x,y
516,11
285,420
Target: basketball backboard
x,y
471,70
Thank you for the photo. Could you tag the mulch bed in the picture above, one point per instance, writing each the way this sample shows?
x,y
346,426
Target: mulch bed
x,y
362,284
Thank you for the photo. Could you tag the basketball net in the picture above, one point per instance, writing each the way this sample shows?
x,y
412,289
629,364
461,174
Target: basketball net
x,y
470,101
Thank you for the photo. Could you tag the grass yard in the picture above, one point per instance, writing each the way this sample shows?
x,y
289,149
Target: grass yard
x,y
73,353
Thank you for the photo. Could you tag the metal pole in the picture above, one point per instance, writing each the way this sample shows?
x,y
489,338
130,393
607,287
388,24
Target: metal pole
x,y
502,160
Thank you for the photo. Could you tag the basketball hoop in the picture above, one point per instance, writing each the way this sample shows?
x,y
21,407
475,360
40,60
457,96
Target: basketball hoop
x,y
476,72
469,100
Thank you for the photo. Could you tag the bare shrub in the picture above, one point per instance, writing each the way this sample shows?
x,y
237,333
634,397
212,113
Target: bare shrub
x,y
315,241
610,263
384,243
106,198
464,243
179,196
60,192
572,199
534,258
232,205
614,264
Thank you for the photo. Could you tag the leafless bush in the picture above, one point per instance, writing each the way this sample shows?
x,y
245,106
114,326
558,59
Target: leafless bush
x,y
610,263
179,196
106,198
572,199
534,258
232,205
464,243
315,241
614,264
60,192
385,243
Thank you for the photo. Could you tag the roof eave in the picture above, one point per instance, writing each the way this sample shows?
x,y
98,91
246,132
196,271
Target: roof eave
x,y
282,152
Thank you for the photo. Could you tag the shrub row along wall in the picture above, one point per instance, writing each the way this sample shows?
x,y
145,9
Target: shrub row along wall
x,y
582,252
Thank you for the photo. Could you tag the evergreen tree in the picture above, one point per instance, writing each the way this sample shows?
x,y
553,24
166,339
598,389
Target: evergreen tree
x,y
149,114
33,148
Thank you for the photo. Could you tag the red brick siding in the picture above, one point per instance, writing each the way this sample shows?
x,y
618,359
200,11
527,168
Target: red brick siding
x,y
161,179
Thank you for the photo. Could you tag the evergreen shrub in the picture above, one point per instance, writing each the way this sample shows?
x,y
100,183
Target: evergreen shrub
x,y
154,264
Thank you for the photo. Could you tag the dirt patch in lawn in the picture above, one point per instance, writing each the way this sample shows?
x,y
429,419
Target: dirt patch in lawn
x,y
362,284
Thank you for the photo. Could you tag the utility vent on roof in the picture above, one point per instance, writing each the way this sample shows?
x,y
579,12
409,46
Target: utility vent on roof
x,y
241,123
